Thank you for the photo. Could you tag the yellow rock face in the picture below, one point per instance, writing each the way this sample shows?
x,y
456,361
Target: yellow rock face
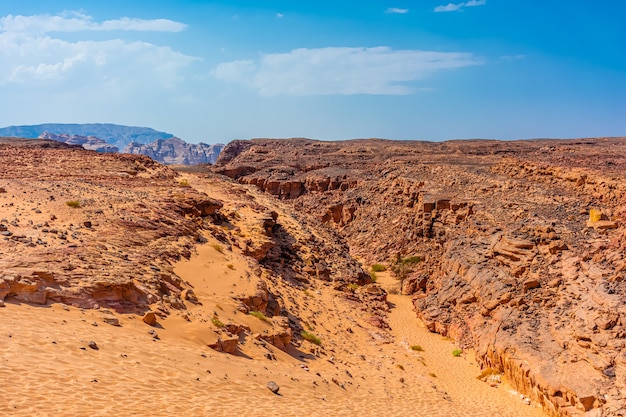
x,y
595,215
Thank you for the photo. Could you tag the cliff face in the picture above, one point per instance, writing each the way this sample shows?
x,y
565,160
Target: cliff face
x,y
520,245
91,143
176,151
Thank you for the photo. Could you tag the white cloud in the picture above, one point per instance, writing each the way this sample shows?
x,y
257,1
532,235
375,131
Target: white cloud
x,y
396,10
472,3
78,22
452,7
340,70
280,15
42,60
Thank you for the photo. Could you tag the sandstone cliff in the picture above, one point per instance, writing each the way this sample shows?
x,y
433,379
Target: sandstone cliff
x,y
520,245
176,151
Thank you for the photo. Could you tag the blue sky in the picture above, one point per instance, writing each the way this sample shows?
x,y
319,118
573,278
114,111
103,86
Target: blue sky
x,y
406,69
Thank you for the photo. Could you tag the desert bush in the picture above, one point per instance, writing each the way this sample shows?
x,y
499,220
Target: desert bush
x,y
457,352
311,338
217,322
218,247
417,348
373,276
259,315
73,203
230,266
184,183
379,268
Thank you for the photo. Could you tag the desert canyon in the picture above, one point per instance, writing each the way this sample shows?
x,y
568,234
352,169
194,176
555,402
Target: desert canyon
x,y
300,277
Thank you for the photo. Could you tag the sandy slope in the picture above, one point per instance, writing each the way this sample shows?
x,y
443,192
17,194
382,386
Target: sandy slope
x,y
47,367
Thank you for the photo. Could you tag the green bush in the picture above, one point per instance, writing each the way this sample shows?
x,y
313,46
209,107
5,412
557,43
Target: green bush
x,y
373,276
417,348
311,338
217,322
379,268
259,316
457,352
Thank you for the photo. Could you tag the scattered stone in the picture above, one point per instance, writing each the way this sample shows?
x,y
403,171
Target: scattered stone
x,y
93,345
273,386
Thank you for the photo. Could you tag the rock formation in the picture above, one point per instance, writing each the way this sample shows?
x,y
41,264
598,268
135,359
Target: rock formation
x,y
91,143
516,248
176,151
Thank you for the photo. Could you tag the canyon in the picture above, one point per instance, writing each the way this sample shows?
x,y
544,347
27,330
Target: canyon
x,y
519,245
372,276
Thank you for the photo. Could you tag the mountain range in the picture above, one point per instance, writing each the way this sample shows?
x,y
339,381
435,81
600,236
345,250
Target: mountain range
x,y
101,137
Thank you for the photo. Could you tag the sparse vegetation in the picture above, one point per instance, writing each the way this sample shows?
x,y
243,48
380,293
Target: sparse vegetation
x,y
352,287
311,338
379,268
219,306
73,203
217,322
417,348
184,183
399,366
230,266
457,352
218,247
259,315
403,267
308,293
373,276
487,372
432,375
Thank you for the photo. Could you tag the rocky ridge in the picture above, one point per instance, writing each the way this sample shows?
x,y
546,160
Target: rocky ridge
x,y
521,245
176,151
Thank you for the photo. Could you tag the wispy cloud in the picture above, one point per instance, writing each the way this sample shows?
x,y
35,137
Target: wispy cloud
x,y
396,10
280,15
340,70
452,7
79,22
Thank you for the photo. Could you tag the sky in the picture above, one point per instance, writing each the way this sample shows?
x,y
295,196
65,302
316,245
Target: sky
x,y
214,71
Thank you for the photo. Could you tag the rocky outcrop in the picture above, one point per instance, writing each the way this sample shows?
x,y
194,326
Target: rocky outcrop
x,y
519,246
98,230
176,151
91,143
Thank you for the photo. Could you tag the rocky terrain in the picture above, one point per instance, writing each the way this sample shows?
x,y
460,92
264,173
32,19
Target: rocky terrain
x,y
199,295
513,248
177,151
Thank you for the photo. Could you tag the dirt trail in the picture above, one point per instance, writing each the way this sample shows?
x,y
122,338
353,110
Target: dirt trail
x,y
454,376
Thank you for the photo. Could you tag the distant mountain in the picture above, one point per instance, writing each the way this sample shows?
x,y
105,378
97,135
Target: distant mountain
x,y
177,151
88,142
117,135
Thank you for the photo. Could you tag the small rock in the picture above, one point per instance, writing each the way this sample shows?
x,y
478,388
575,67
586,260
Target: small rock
x,y
273,386
93,345
113,321
149,318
